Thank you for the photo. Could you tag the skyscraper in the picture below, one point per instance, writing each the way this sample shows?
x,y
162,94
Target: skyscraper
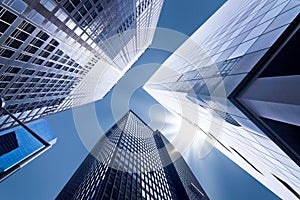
x,y
18,147
56,55
131,161
234,82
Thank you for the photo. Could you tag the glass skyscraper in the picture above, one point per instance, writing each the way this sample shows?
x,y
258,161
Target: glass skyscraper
x,y
56,55
18,147
235,81
131,161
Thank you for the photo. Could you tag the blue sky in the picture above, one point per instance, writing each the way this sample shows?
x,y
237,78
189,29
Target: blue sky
x,y
44,177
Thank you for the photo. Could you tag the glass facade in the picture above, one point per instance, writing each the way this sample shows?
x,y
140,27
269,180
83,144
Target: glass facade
x,y
208,70
8,142
131,162
278,112
18,146
56,55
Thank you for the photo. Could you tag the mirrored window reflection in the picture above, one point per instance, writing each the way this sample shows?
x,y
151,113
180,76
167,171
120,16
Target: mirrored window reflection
x,y
19,6
242,49
48,4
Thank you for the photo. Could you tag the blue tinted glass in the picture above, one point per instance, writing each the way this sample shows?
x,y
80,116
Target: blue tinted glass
x,y
19,6
27,144
267,40
284,19
242,49
258,30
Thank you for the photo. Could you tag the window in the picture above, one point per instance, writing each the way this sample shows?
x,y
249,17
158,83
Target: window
x,y
13,70
59,52
49,48
18,5
28,72
99,8
7,78
88,19
13,91
8,17
49,5
44,54
54,57
82,11
3,85
88,5
54,42
58,66
38,61
22,79
94,14
71,24
51,28
37,42
13,43
78,31
49,64
61,15
3,27
38,18
27,27
31,49
21,34
75,2
84,24
69,7
71,62
6,53
42,35
23,57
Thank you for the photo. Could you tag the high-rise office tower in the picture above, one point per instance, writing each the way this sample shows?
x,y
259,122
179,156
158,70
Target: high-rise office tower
x,y
18,147
55,55
235,82
131,161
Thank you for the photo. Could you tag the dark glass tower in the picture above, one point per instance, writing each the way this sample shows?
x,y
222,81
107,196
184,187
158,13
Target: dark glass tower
x,y
131,161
